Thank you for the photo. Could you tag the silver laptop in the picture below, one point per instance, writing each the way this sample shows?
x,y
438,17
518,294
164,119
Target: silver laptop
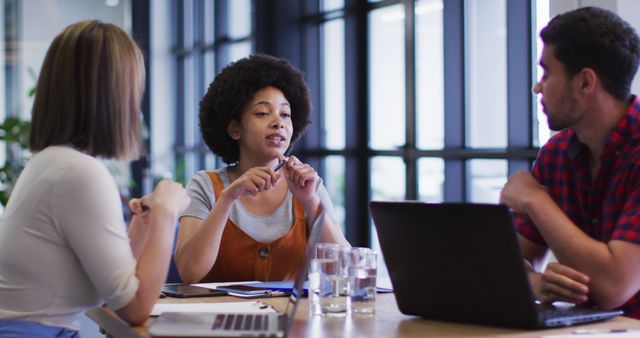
x,y
200,324
462,262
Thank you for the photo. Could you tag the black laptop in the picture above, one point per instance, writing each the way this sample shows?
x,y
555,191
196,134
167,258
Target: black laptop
x,y
462,262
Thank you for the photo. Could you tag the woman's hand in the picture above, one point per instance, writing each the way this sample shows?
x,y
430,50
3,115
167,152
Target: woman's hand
x,y
302,179
166,201
139,211
252,182
168,195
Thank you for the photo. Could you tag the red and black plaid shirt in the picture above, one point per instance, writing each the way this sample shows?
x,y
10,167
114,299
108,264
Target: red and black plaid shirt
x,y
606,208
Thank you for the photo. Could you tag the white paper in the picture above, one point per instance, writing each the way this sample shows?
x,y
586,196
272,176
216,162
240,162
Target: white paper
x,y
596,333
226,307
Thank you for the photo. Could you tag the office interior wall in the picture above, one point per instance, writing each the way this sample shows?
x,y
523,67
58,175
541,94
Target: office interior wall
x,y
41,21
630,11
560,6
3,47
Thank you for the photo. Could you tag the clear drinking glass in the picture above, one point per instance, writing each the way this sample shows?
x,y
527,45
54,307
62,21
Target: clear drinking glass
x,y
362,273
328,276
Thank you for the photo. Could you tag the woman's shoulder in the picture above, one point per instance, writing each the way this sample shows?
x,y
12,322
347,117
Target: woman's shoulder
x,y
204,176
74,177
69,161
201,182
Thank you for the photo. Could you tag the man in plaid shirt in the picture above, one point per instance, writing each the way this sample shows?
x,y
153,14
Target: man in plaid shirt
x,y
582,199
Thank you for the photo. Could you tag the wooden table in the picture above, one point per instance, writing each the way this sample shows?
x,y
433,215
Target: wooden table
x,y
388,322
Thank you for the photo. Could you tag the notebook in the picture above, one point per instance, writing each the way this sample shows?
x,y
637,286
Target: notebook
x,y
462,262
201,324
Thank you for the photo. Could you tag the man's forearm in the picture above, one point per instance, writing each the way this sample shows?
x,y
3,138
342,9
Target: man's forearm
x,y
574,248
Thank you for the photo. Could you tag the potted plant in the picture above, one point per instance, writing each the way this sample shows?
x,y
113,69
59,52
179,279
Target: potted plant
x,y
15,132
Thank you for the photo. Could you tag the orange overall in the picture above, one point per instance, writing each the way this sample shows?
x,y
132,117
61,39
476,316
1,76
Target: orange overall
x,y
242,258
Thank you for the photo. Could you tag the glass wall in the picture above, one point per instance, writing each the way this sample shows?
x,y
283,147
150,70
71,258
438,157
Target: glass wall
x,y
206,37
408,124
486,73
387,84
429,74
541,130
486,80
28,27
333,104
423,126
418,146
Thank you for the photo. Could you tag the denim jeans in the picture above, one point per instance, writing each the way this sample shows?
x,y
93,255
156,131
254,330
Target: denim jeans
x,y
24,329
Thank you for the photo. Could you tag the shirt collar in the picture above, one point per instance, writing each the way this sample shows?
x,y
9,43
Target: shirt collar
x,y
619,137
625,130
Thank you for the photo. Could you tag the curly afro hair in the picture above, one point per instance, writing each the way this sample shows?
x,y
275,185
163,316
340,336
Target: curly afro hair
x,y
233,89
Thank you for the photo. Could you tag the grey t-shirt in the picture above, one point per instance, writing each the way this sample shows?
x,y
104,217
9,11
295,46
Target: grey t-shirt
x,y
265,229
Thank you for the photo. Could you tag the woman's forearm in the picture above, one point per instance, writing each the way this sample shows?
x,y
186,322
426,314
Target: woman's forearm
x,y
199,242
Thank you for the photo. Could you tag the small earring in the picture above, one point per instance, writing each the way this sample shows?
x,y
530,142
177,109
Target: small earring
x,y
537,87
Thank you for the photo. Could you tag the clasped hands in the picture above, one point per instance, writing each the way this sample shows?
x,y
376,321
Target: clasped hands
x,y
560,283
301,179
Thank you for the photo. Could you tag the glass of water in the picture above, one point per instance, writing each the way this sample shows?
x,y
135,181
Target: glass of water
x,y
362,272
328,276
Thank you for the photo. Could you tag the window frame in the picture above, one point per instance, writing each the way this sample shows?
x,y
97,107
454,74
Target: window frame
x,y
292,29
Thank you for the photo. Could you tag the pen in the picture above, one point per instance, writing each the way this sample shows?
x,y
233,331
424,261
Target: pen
x,y
281,163
596,331
145,209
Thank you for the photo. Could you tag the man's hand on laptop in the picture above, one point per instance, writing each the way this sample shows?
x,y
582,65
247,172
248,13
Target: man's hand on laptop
x,y
560,283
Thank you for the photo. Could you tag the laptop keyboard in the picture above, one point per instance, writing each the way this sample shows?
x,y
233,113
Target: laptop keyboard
x,y
559,316
240,322
548,312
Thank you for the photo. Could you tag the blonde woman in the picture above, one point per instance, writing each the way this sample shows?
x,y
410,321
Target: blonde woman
x,y
63,241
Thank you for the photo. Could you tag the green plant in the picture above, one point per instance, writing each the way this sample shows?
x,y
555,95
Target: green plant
x,y
15,132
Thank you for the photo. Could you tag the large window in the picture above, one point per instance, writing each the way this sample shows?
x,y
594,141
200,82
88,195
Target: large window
x,y
206,37
27,28
540,129
419,100
427,100
333,102
486,108
413,99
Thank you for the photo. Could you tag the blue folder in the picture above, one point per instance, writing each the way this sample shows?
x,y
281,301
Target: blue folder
x,y
287,286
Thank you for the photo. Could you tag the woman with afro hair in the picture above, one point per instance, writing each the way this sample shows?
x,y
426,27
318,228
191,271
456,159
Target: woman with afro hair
x,y
249,221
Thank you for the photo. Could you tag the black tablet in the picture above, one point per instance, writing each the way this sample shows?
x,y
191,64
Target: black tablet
x,y
188,291
244,289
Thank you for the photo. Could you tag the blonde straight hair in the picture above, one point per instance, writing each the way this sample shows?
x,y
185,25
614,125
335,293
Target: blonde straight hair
x,y
89,92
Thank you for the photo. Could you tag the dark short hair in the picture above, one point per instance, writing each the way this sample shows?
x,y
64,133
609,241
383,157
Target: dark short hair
x,y
89,91
596,38
233,89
